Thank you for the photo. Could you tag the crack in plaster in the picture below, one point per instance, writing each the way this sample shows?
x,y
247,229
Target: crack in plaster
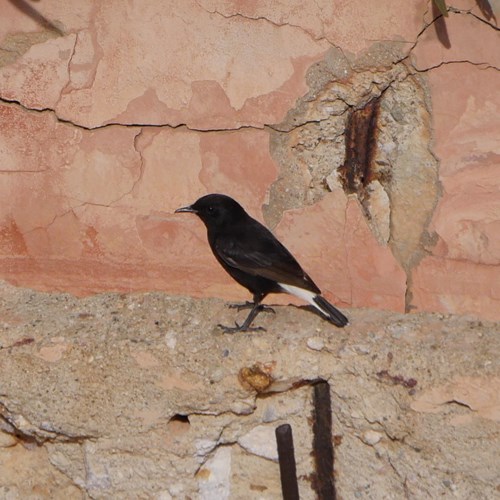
x,y
431,23
97,54
81,204
129,125
19,426
483,66
314,146
281,387
68,72
273,127
119,198
265,19
411,71
204,457
46,226
141,167
481,19
21,171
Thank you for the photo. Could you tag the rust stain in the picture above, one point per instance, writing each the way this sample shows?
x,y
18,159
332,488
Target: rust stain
x,y
90,243
358,169
258,377
19,343
12,241
385,376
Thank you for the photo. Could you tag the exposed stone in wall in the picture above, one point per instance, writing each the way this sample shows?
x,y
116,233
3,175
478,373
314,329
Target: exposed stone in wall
x,y
319,147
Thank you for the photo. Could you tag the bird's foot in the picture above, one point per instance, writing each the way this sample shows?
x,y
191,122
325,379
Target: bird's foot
x,y
250,305
240,307
240,328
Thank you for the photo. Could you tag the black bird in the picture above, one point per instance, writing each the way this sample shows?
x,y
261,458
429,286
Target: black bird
x,y
252,255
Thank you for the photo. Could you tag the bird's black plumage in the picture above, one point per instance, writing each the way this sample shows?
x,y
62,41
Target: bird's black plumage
x,y
253,256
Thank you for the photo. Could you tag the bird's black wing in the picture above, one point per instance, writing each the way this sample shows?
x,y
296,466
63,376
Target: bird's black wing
x,y
255,250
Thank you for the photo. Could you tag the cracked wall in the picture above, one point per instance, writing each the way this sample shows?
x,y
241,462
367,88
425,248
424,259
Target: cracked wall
x,y
110,121
386,164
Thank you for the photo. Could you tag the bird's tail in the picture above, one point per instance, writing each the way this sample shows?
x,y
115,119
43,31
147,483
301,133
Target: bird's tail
x,y
331,312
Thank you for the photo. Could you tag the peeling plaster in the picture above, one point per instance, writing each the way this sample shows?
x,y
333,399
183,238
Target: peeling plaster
x,y
310,148
16,45
304,180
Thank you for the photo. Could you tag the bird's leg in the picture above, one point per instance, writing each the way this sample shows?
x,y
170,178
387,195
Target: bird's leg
x,y
257,307
245,327
240,307
249,305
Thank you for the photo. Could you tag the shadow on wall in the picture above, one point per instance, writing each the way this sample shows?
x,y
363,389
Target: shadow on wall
x,y
440,12
33,13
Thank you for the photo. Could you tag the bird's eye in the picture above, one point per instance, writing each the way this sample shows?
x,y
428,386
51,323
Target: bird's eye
x,y
210,210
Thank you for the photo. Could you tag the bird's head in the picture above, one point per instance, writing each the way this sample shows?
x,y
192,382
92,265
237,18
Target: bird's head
x,y
215,210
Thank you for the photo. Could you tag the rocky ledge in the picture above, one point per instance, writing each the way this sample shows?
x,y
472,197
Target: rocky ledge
x,y
142,396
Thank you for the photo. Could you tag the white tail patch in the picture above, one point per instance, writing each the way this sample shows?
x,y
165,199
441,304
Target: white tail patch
x,y
318,302
306,295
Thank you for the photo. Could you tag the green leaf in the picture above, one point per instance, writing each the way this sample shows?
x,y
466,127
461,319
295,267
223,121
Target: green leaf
x,y
441,5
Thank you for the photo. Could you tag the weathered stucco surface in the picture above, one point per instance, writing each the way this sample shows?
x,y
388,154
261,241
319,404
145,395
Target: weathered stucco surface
x,y
366,137
114,114
141,396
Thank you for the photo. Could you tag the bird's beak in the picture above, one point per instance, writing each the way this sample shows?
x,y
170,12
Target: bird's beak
x,y
189,208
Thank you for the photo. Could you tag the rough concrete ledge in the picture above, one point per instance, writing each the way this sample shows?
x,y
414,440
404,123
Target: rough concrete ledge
x,y
141,396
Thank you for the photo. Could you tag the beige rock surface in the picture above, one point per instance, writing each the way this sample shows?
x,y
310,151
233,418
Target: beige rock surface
x,y
140,396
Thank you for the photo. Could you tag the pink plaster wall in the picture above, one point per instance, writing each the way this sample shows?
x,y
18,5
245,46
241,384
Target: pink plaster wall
x,y
135,108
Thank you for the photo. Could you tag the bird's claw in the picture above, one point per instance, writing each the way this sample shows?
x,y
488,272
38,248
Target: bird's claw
x,y
268,309
240,307
249,305
240,328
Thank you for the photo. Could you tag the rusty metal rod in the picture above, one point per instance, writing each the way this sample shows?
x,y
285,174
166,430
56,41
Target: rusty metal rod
x,y
322,442
286,456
